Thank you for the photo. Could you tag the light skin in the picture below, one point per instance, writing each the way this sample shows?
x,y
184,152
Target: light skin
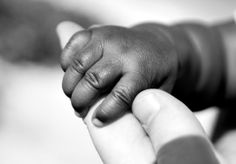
x,y
156,120
138,137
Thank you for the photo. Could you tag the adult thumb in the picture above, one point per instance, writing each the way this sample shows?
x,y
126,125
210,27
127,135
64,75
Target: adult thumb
x,y
176,135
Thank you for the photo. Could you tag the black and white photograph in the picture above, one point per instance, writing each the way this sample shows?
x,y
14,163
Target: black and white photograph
x,y
117,82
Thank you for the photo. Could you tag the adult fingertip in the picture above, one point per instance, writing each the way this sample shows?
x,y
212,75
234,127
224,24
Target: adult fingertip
x,y
155,108
145,96
146,105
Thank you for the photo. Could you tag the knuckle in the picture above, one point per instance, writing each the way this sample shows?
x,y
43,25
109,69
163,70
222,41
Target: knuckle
x,y
122,95
78,65
93,79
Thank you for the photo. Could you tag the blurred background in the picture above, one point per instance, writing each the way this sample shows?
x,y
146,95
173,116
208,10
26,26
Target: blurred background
x,y
37,122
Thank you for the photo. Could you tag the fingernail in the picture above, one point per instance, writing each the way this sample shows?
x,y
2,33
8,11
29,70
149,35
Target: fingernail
x,y
97,122
98,119
153,100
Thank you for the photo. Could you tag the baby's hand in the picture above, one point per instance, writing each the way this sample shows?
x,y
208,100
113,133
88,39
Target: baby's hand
x,y
117,61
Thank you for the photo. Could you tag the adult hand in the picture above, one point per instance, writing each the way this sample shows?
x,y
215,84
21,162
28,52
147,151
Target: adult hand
x,y
160,130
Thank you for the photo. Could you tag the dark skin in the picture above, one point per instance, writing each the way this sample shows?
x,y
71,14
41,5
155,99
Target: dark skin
x,y
187,60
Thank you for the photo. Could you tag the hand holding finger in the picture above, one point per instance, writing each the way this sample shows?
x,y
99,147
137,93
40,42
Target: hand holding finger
x,y
175,133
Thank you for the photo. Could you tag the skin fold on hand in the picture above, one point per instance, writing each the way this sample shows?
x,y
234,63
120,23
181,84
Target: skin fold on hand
x,y
119,62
